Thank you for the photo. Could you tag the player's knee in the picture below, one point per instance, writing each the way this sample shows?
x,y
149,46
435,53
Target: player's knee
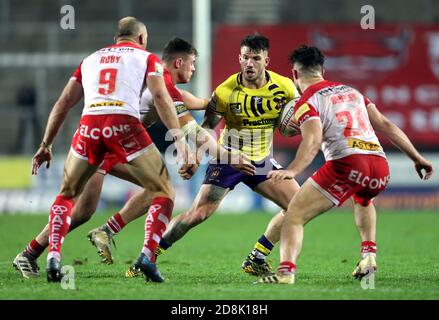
x,y
296,218
169,190
164,188
84,218
84,210
69,191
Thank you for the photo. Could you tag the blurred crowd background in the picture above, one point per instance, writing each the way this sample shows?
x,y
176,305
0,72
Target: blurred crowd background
x,y
396,65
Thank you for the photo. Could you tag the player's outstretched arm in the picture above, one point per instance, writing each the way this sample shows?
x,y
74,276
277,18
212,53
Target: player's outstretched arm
x,y
211,119
307,151
379,122
237,160
70,96
192,102
168,116
165,106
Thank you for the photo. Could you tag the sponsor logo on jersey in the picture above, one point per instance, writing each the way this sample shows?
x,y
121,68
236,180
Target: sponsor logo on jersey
x,y
260,122
364,145
301,111
180,107
236,108
107,104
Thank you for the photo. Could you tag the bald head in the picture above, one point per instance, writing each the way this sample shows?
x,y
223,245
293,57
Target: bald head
x,y
129,28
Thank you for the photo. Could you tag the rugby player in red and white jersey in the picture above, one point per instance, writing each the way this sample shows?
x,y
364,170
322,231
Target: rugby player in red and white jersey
x,y
341,121
178,60
112,80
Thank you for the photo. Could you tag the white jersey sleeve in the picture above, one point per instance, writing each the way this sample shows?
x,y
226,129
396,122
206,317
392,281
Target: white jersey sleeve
x,y
113,79
345,123
148,111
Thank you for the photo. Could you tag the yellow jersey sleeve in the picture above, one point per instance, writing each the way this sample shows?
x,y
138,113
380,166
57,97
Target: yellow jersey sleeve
x,y
216,105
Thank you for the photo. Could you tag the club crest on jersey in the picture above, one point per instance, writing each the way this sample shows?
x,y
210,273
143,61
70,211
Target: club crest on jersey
x,y
236,108
158,68
280,102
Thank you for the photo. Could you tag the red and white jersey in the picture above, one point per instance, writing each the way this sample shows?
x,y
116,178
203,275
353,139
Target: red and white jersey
x,y
148,110
113,78
342,111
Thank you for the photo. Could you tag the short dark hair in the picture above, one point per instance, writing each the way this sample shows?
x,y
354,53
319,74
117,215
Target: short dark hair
x,y
256,42
177,46
308,57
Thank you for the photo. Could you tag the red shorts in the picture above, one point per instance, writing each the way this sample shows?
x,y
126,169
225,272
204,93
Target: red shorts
x,y
122,135
360,176
110,160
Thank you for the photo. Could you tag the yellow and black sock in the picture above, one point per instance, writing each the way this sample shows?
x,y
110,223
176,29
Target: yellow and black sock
x,y
262,248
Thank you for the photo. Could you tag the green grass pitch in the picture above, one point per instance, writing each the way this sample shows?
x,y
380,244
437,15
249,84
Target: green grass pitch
x,y
206,263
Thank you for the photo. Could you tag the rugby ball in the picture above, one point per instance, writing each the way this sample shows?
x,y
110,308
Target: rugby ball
x,y
287,124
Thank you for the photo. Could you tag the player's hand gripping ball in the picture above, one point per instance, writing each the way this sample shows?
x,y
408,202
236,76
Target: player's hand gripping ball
x,y
287,124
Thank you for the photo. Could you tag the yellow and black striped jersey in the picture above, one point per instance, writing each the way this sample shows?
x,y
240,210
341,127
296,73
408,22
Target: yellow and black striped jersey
x,y
251,114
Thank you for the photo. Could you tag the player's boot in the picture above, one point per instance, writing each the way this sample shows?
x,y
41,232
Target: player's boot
x,y
53,270
26,265
149,269
159,251
256,267
365,266
101,239
134,270
277,278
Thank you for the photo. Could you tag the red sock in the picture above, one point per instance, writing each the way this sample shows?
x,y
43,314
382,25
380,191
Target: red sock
x,y
34,249
59,224
115,223
158,217
368,247
286,267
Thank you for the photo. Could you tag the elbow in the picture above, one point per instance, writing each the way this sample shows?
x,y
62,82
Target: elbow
x,y
158,98
66,102
159,95
62,105
388,127
315,146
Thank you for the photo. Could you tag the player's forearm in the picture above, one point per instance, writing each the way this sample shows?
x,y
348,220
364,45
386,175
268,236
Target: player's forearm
x,y
307,151
208,143
210,120
400,140
166,111
55,121
192,102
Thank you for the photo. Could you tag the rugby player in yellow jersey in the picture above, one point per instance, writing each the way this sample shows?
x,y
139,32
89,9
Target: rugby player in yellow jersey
x,y
250,103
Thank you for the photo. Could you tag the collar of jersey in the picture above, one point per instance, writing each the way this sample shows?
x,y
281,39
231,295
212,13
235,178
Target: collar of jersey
x,y
239,80
127,44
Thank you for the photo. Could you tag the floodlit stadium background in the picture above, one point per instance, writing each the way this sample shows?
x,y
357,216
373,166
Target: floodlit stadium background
x,y
396,65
